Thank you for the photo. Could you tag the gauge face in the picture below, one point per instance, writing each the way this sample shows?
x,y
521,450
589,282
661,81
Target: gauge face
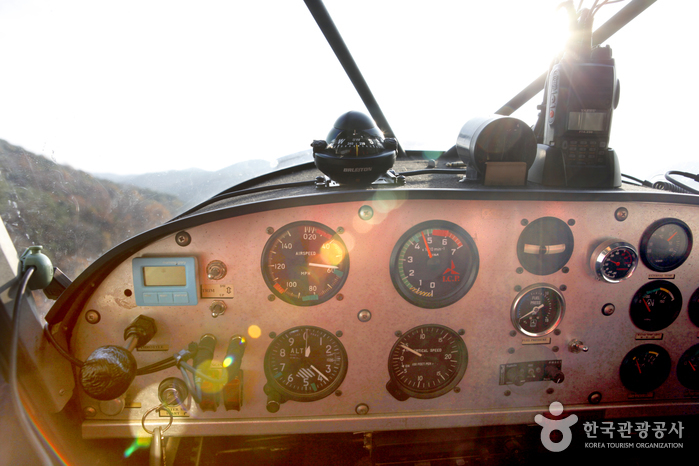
x,y
305,263
693,308
305,363
688,368
645,368
537,310
434,264
545,246
656,305
666,244
428,361
614,261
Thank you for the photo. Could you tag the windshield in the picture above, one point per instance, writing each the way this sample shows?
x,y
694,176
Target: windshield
x,y
138,110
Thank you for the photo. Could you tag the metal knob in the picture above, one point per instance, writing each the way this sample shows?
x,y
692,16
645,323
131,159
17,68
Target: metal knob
x,y
576,346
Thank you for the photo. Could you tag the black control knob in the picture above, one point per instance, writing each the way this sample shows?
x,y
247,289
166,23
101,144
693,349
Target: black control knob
x,y
555,374
108,372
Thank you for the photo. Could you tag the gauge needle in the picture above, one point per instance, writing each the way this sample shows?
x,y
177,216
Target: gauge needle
x,y
533,311
411,350
427,245
693,368
319,373
325,266
639,367
308,350
673,235
644,302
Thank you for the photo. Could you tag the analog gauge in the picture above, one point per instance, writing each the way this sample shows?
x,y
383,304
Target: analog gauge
x,y
545,246
305,263
666,244
693,308
537,310
645,368
656,305
688,368
434,264
305,364
614,261
426,362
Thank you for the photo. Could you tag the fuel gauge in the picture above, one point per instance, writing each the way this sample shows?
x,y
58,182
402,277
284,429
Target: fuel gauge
x,y
645,368
537,310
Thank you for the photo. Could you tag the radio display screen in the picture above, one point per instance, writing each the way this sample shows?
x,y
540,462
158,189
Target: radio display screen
x,y
164,276
586,121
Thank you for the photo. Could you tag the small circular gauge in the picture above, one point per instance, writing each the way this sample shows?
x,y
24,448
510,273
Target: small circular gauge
x,y
434,264
666,244
688,368
537,310
427,362
693,308
305,263
645,368
655,305
305,363
614,261
545,246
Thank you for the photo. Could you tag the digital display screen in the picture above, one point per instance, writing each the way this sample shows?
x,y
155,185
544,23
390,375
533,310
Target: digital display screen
x,y
164,276
586,121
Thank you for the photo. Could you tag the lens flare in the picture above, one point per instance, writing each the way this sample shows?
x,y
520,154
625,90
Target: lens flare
x,y
137,444
254,331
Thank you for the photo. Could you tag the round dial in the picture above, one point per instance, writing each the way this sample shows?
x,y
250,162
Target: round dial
x,y
545,246
645,368
666,244
427,361
305,363
614,261
693,308
305,263
688,368
434,264
537,310
656,305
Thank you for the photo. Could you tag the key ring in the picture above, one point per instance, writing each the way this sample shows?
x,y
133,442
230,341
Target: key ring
x,y
162,406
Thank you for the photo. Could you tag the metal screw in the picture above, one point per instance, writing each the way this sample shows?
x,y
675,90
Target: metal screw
x,y
92,316
90,411
62,391
554,349
366,212
362,409
549,391
621,214
571,222
338,333
524,222
563,287
183,238
364,315
269,230
557,331
513,333
340,297
461,331
457,390
565,270
518,288
128,293
508,393
511,350
270,297
519,270
398,333
272,335
338,392
340,230
608,309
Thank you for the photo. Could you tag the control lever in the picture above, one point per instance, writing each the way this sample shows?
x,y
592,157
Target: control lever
x,y
109,370
205,390
233,390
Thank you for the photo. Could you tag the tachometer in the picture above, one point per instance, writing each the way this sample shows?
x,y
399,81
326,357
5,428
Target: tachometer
x,y
426,362
434,264
614,261
305,364
305,263
666,244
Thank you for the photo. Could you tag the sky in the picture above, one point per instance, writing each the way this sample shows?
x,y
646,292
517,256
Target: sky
x,y
144,86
